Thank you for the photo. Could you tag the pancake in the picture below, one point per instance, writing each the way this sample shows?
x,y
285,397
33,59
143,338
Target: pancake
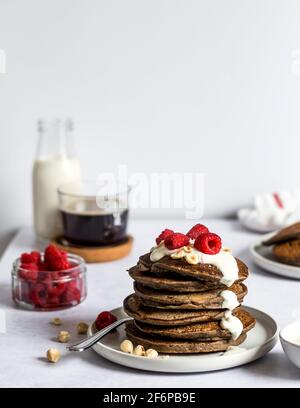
x,y
288,252
208,331
171,346
204,272
159,317
286,234
171,282
145,262
197,300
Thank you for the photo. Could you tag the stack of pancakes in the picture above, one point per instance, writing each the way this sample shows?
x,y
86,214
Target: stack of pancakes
x,y
178,308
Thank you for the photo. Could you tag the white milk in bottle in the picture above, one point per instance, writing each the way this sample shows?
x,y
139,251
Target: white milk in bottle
x,y
55,164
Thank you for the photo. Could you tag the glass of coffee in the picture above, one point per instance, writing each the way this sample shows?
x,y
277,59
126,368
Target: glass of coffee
x,y
93,215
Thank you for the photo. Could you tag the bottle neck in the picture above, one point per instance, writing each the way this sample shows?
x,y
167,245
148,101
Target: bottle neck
x,y
55,139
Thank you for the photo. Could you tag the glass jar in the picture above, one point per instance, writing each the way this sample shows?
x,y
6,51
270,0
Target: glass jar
x,y
49,290
55,163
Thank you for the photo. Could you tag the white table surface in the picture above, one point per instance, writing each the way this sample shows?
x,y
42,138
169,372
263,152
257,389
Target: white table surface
x,y
29,334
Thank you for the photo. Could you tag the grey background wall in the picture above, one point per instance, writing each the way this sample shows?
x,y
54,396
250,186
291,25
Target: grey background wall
x,y
161,85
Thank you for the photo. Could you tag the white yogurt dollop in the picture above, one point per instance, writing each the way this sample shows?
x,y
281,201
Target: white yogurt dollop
x,y
224,261
160,251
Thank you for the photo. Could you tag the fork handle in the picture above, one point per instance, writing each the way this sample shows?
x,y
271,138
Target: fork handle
x,y
87,343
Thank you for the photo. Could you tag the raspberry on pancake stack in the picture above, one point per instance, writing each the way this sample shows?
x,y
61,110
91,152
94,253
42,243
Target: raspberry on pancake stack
x,y
188,295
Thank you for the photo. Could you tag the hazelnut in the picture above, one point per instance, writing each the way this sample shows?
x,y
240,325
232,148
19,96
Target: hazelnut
x,y
192,259
126,346
139,350
82,328
178,254
151,353
187,249
63,336
56,321
53,355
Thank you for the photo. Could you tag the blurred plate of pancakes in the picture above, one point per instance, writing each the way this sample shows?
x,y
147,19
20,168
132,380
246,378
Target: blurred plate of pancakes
x,y
279,252
260,340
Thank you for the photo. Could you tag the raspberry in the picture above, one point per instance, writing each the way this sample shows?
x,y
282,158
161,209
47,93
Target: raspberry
x,y
196,230
53,286
36,256
72,284
43,266
52,252
56,288
163,235
104,319
208,243
38,294
33,257
59,264
176,240
30,266
71,295
26,258
45,277
63,253
54,300
55,259
28,271
30,275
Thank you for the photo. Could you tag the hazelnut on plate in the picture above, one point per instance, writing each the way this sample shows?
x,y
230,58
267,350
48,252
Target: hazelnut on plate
x,y
151,353
126,346
139,350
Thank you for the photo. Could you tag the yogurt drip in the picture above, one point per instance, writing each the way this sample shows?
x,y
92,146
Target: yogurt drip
x,y
230,301
232,323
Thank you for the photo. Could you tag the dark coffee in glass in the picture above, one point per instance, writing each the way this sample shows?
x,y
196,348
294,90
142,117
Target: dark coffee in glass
x,y
94,229
90,220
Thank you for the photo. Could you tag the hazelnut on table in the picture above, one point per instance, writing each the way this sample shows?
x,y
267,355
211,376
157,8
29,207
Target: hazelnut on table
x,y
82,328
53,355
56,321
63,336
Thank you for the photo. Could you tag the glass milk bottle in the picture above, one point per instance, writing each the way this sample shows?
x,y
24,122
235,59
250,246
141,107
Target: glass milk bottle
x,y
55,164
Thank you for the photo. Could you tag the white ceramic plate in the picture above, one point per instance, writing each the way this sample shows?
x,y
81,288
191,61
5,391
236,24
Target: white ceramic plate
x,y
260,340
263,257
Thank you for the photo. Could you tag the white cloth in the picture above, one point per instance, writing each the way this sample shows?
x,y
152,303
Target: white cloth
x,y
271,211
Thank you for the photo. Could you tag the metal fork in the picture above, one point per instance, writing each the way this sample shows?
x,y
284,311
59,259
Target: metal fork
x,y
87,343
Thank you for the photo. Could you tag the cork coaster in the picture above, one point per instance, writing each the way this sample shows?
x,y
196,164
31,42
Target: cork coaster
x,y
97,254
